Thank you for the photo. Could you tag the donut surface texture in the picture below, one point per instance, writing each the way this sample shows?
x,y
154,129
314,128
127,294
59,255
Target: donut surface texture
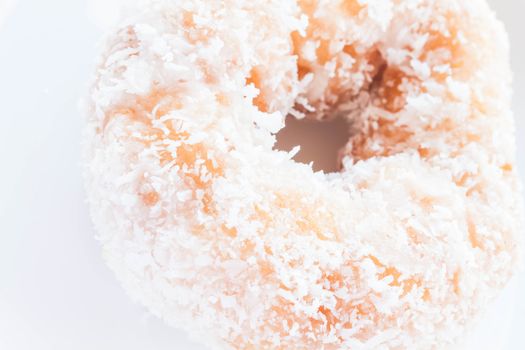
x,y
218,233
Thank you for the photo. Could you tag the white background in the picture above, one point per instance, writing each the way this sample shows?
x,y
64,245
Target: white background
x,y
55,291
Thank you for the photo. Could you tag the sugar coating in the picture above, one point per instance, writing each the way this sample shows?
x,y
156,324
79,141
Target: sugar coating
x,y
218,234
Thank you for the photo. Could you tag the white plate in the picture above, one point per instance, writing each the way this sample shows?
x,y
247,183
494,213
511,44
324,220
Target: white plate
x,y
55,291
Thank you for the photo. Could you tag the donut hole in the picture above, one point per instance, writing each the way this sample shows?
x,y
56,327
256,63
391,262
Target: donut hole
x,y
320,141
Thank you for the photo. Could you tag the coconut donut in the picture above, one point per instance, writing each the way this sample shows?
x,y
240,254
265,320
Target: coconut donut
x,y
218,233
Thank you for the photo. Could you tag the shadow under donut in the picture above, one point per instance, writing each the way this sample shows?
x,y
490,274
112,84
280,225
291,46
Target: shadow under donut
x,y
320,141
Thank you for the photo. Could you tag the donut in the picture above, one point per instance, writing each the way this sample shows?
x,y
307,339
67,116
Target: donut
x,y
218,233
